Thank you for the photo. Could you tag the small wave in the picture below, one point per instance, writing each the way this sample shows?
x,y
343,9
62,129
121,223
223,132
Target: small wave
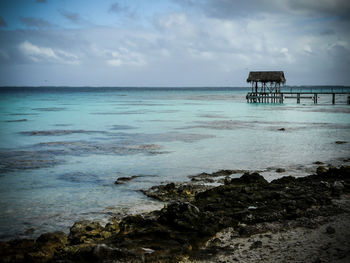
x,y
79,177
123,127
212,116
58,132
49,109
22,114
20,120
268,125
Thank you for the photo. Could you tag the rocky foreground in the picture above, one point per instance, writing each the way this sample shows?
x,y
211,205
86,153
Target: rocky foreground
x,y
242,220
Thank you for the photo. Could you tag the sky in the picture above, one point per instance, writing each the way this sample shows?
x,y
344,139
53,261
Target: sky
x,y
172,43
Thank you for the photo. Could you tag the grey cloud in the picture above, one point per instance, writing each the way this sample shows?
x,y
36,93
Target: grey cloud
x,y
35,22
71,16
115,8
247,8
2,22
340,53
119,9
327,32
339,8
228,9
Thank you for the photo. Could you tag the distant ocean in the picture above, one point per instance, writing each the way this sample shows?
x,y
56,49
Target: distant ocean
x,y
62,148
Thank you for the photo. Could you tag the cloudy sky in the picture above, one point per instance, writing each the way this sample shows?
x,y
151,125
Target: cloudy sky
x,y
172,42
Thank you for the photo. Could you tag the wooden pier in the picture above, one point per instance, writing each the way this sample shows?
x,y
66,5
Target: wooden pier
x,y
269,89
298,95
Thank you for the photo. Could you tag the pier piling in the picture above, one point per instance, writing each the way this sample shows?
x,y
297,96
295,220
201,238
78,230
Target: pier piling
x,y
278,97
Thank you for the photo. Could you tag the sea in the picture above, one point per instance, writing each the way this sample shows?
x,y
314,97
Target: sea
x,y
63,148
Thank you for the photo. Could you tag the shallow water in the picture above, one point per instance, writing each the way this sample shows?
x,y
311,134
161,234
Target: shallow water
x,y
61,149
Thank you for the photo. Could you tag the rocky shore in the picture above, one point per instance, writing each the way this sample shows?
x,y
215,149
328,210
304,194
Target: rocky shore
x,y
244,219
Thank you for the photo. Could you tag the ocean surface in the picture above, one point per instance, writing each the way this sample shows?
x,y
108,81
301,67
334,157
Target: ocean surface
x,y
62,149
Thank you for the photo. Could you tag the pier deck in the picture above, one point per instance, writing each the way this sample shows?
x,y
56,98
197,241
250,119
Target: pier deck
x,y
298,94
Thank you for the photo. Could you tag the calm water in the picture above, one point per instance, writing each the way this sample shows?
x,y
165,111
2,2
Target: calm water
x,y
61,149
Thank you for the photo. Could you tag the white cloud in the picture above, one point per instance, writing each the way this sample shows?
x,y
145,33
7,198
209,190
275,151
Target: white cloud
x,y
178,24
119,56
288,56
307,49
35,52
47,54
115,62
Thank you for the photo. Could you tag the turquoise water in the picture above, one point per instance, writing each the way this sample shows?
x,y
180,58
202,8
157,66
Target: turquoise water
x,y
61,149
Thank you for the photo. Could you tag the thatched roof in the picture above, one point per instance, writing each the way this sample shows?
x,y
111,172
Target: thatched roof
x,y
266,76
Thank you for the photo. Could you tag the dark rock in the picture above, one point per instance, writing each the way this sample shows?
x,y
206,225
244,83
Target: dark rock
x,y
318,163
112,227
249,178
341,142
226,172
284,180
210,178
47,245
256,244
281,129
29,231
181,215
86,232
173,192
123,180
326,184
320,260
16,250
227,180
57,239
330,230
215,242
321,170
329,166
280,170
338,185
103,251
169,187
211,253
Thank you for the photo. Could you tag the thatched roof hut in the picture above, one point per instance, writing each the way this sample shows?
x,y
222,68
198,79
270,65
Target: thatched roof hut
x,y
266,76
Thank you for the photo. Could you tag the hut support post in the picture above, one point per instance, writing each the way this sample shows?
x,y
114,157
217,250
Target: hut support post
x,y
333,98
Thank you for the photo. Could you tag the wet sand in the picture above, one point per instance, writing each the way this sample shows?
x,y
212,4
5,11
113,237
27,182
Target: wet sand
x,y
320,239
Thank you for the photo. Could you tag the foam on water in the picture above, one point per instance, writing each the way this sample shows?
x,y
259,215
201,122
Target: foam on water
x,y
61,149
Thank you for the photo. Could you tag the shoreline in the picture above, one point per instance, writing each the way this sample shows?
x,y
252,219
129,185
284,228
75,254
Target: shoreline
x,y
203,220
105,215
